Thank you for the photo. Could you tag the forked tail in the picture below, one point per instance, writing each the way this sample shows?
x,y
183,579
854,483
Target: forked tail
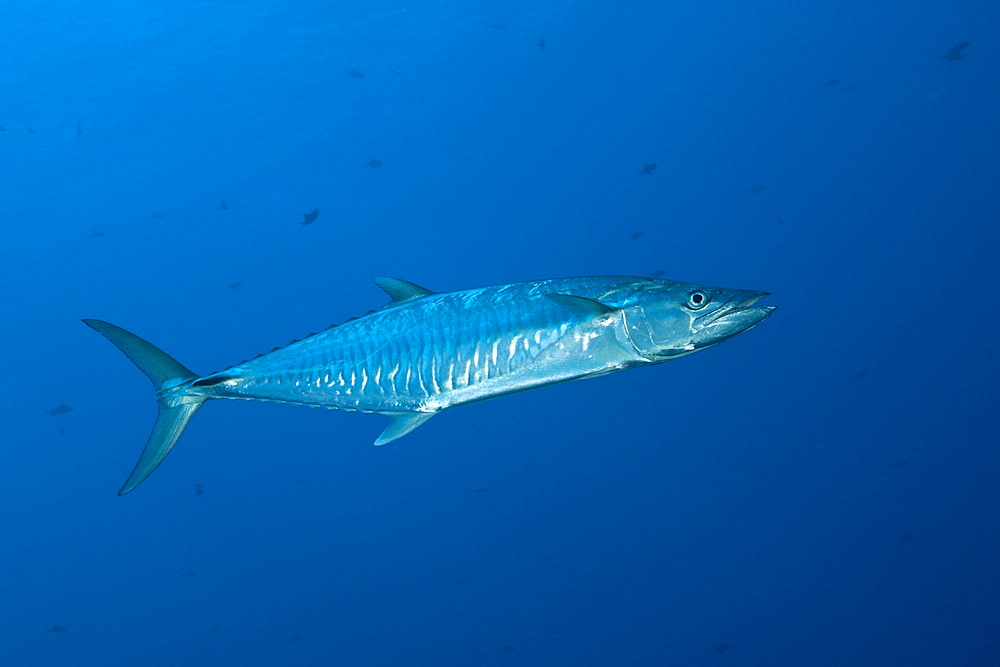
x,y
176,408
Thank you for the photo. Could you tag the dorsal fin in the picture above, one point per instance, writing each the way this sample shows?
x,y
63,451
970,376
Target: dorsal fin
x,y
402,290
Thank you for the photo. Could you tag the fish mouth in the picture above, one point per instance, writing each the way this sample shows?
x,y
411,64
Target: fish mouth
x,y
737,315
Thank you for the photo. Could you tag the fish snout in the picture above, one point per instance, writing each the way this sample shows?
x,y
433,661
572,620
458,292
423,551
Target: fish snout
x,y
739,314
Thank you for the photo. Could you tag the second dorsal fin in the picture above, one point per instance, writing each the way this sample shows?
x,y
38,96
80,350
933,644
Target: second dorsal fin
x,y
402,290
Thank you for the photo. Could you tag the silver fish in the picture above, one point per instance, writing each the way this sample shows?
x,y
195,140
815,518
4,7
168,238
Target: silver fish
x,y
426,352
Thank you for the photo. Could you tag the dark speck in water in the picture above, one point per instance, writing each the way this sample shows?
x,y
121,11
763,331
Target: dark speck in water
x,y
309,218
955,53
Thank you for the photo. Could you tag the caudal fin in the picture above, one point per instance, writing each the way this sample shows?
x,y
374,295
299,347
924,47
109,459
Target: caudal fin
x,y
175,410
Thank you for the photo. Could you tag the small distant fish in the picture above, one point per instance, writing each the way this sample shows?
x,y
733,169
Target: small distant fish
x,y
57,628
395,72
60,430
309,218
96,234
722,648
779,220
235,286
466,581
635,236
904,538
658,273
499,26
832,82
373,163
223,206
354,73
757,189
647,169
898,463
60,409
190,574
156,216
860,375
507,648
541,44
2,128
79,128
955,53
197,489
295,638
31,130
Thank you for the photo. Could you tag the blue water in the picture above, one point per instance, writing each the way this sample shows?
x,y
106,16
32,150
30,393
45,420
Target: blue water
x,y
820,491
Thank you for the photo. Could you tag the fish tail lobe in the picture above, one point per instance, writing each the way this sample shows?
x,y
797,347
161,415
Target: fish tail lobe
x,y
175,409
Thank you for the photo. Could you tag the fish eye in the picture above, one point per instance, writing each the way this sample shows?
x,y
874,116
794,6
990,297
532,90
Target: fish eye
x,y
697,300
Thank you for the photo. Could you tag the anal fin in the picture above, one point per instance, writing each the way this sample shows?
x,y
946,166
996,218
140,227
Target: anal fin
x,y
402,423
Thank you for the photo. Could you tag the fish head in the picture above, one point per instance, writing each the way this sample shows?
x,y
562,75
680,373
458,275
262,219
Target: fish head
x,y
666,319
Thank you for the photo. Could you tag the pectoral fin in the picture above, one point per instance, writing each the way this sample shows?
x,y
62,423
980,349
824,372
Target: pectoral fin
x,y
581,305
402,423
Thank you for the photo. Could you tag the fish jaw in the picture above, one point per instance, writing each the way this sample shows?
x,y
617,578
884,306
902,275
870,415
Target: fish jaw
x,y
737,316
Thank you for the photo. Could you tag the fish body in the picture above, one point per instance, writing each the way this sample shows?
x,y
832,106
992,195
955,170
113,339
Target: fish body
x,y
427,352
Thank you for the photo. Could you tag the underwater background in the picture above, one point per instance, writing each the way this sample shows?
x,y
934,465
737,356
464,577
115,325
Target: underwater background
x,y
820,491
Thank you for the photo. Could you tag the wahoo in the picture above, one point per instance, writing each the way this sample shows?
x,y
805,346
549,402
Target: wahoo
x,y
426,352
